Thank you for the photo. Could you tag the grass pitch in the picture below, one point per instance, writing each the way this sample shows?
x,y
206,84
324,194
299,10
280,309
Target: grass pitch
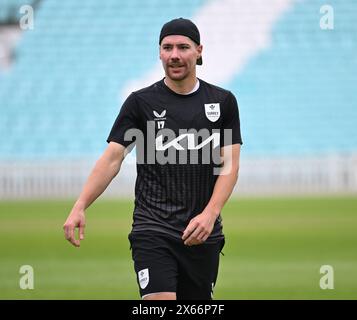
x,y
274,250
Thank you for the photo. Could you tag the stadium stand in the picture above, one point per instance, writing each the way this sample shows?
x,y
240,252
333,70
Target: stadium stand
x,y
60,97
62,93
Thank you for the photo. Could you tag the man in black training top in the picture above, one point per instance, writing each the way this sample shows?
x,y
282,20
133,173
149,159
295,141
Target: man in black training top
x,y
187,137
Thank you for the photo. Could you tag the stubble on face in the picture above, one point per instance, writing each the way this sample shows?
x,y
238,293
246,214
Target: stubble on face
x,y
178,55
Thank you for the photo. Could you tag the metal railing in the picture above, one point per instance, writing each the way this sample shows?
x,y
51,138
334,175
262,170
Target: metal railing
x,y
332,174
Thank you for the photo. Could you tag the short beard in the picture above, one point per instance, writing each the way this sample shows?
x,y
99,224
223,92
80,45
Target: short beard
x,y
174,77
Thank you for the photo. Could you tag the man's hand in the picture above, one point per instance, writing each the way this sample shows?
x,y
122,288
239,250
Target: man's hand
x,y
105,169
76,219
199,228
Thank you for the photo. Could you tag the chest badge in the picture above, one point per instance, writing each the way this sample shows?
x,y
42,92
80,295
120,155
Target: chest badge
x,y
213,111
160,119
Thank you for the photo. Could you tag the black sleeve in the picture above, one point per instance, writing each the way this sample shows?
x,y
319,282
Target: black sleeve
x,y
231,120
128,118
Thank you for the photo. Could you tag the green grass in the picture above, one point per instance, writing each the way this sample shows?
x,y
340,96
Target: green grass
x,y
274,250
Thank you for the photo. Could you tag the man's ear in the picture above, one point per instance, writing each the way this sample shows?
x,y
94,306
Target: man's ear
x,y
199,50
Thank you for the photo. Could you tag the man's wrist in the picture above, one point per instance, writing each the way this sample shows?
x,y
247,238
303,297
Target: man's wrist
x,y
214,211
79,205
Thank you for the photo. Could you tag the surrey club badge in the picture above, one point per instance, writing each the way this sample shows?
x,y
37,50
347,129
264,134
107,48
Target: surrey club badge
x,y
213,111
143,276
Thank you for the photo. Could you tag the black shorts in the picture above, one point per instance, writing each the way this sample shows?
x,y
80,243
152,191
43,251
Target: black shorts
x,y
164,264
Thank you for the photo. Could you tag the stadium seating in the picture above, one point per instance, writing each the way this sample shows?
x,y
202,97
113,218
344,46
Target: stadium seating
x,y
62,94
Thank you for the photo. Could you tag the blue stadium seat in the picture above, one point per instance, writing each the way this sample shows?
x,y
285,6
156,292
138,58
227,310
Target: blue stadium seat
x,y
61,96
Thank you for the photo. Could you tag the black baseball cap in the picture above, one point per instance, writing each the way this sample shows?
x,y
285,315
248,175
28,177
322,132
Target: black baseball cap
x,y
183,27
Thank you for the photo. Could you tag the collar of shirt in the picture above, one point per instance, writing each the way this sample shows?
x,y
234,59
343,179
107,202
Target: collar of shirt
x,y
195,88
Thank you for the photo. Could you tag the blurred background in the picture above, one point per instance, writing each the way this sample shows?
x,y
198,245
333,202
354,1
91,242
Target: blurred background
x,y
67,66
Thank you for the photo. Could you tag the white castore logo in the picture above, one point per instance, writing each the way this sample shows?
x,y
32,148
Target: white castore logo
x,y
160,115
160,119
213,111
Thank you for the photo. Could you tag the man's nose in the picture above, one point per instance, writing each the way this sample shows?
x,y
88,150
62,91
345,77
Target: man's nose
x,y
174,54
